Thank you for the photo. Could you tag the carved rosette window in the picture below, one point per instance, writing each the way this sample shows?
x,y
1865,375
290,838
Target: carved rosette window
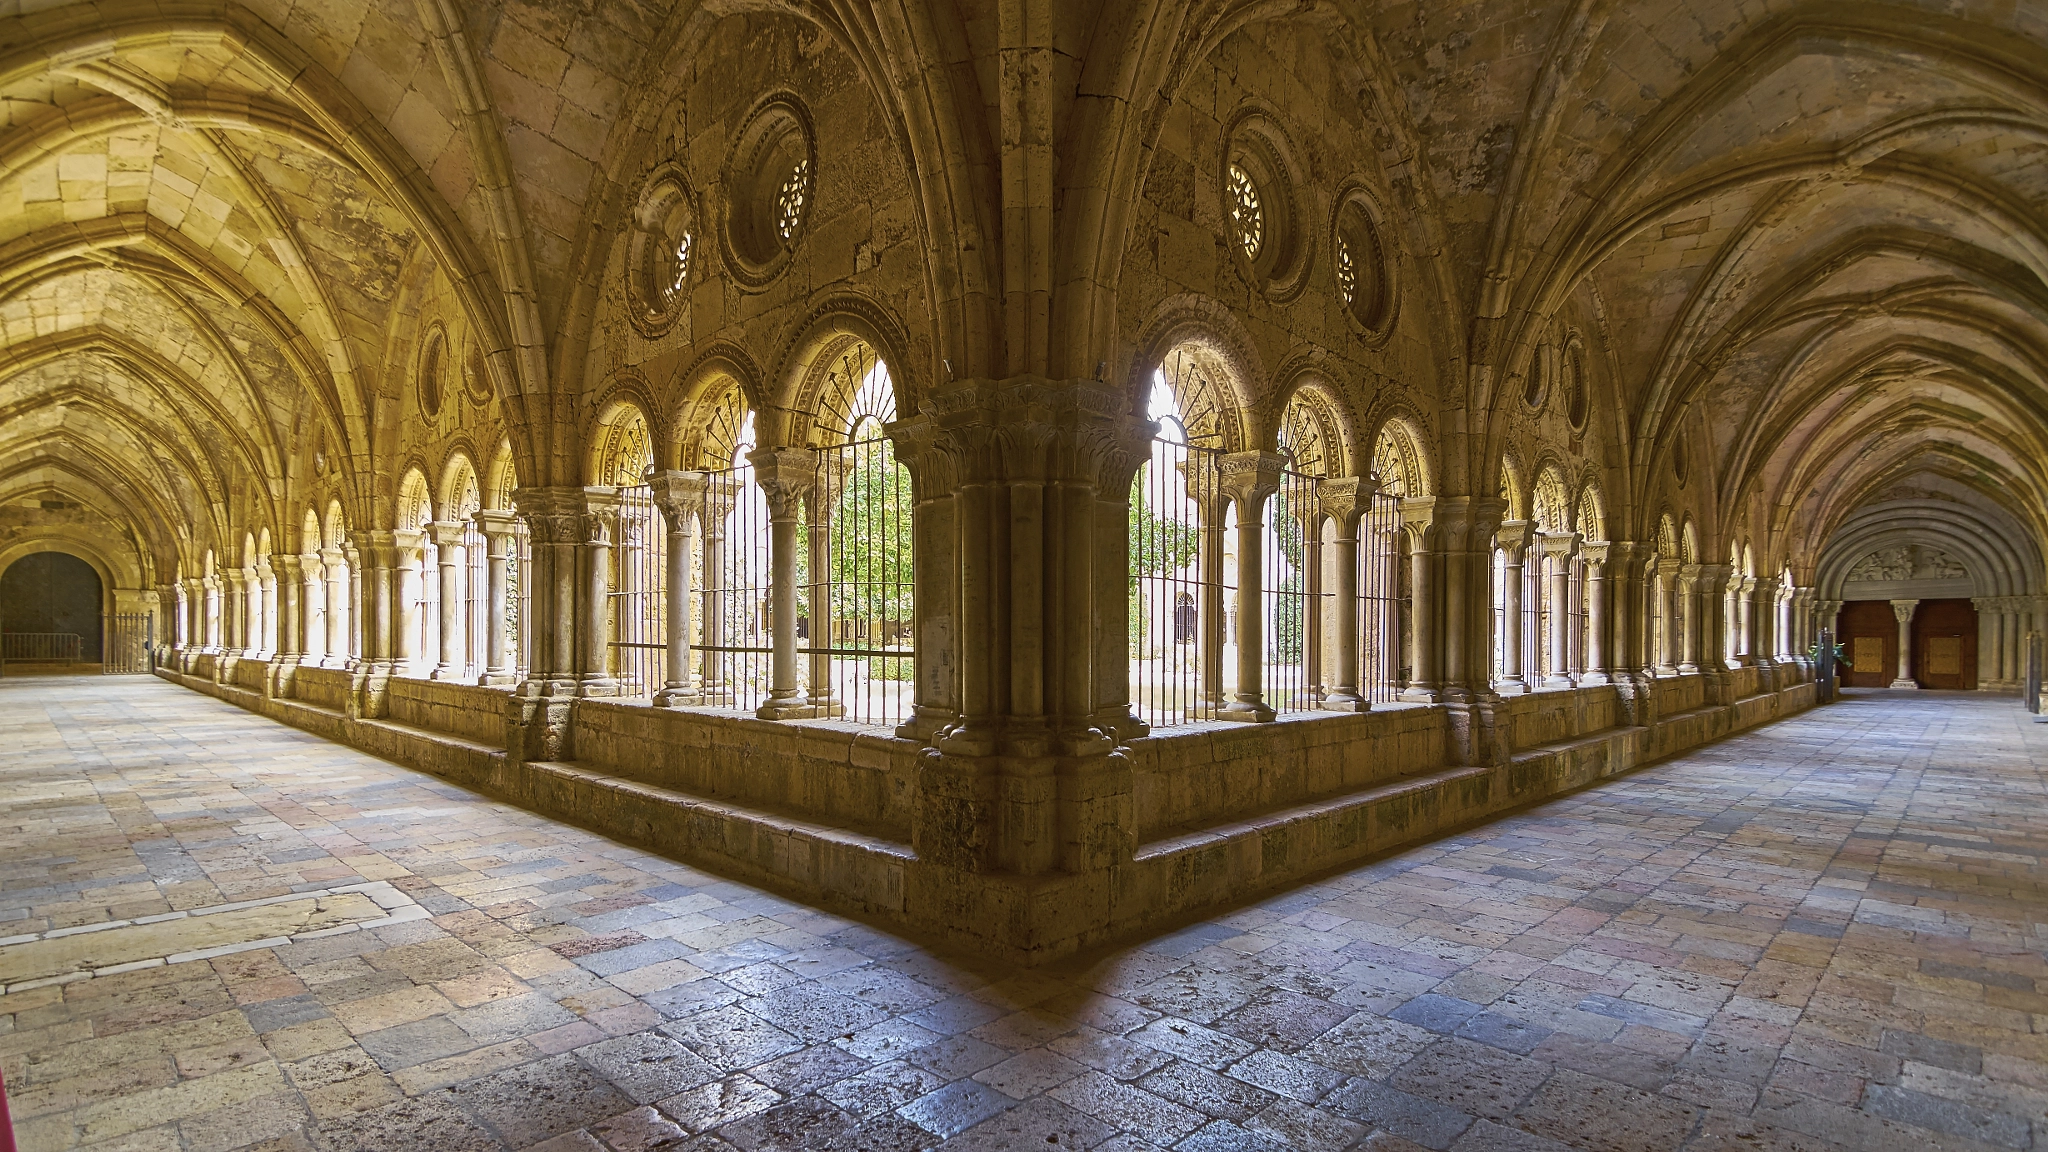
x,y
1364,281
791,199
1247,213
769,186
661,256
1261,219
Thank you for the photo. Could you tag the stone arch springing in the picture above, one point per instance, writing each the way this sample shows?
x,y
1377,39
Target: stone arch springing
x,y
1311,432
1398,462
621,448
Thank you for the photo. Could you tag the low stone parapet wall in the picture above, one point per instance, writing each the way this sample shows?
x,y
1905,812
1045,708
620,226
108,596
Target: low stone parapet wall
x,y
466,710
1548,715
858,777
1217,813
1206,773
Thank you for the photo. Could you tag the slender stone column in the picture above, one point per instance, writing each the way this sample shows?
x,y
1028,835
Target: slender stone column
x,y
785,476
1595,557
1345,502
1250,479
408,659
1687,602
498,527
340,606
1557,551
600,529
680,497
313,610
1425,593
2012,631
1902,611
1514,539
452,560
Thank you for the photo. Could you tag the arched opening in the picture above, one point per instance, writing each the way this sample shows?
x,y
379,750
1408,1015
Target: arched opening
x,y
51,612
1181,592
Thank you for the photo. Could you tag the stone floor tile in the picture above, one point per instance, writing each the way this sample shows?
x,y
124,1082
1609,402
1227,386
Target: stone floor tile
x,y
1783,941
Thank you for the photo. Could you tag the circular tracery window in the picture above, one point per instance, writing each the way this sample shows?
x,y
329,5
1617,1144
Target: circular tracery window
x,y
1260,214
663,244
770,185
1363,281
1247,213
791,199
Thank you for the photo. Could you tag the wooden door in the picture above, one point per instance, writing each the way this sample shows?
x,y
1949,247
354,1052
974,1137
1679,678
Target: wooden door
x,y
1870,632
1945,644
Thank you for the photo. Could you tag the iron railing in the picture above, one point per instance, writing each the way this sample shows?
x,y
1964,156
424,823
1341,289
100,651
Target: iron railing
x,y
128,639
42,647
731,568
639,594
1176,614
855,619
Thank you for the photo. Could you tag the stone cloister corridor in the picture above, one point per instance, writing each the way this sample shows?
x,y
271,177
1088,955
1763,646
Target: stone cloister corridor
x,y
1823,933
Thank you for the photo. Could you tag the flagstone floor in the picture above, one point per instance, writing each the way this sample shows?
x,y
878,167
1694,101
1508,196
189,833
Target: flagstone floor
x,y
1825,934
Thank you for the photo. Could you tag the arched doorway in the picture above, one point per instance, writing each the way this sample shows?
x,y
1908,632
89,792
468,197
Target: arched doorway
x,y
51,594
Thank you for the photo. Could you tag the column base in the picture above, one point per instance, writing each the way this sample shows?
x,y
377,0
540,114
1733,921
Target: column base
x,y
1344,701
1511,687
597,686
1903,684
448,672
1421,696
1243,712
786,708
499,679
676,696
1558,680
1595,679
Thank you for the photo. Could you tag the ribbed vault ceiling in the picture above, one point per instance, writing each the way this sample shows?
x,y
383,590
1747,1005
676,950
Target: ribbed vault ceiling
x,y
1818,246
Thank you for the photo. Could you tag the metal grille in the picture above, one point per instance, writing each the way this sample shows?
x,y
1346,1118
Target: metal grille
x,y
426,613
733,569
1529,619
1382,589
129,637
639,594
518,571
1176,601
854,610
42,647
1293,595
476,610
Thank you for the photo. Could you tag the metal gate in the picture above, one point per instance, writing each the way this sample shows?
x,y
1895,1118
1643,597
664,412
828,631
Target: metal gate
x,y
129,638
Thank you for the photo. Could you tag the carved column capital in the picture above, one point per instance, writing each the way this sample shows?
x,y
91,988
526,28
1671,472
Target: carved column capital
x,y
1514,538
498,525
679,496
1902,610
1250,477
446,533
1347,498
785,476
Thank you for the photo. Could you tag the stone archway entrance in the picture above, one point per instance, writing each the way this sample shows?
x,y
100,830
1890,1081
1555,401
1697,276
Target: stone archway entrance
x,y
52,595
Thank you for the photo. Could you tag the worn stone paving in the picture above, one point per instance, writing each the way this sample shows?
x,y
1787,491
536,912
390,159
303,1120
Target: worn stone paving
x,y
1825,934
